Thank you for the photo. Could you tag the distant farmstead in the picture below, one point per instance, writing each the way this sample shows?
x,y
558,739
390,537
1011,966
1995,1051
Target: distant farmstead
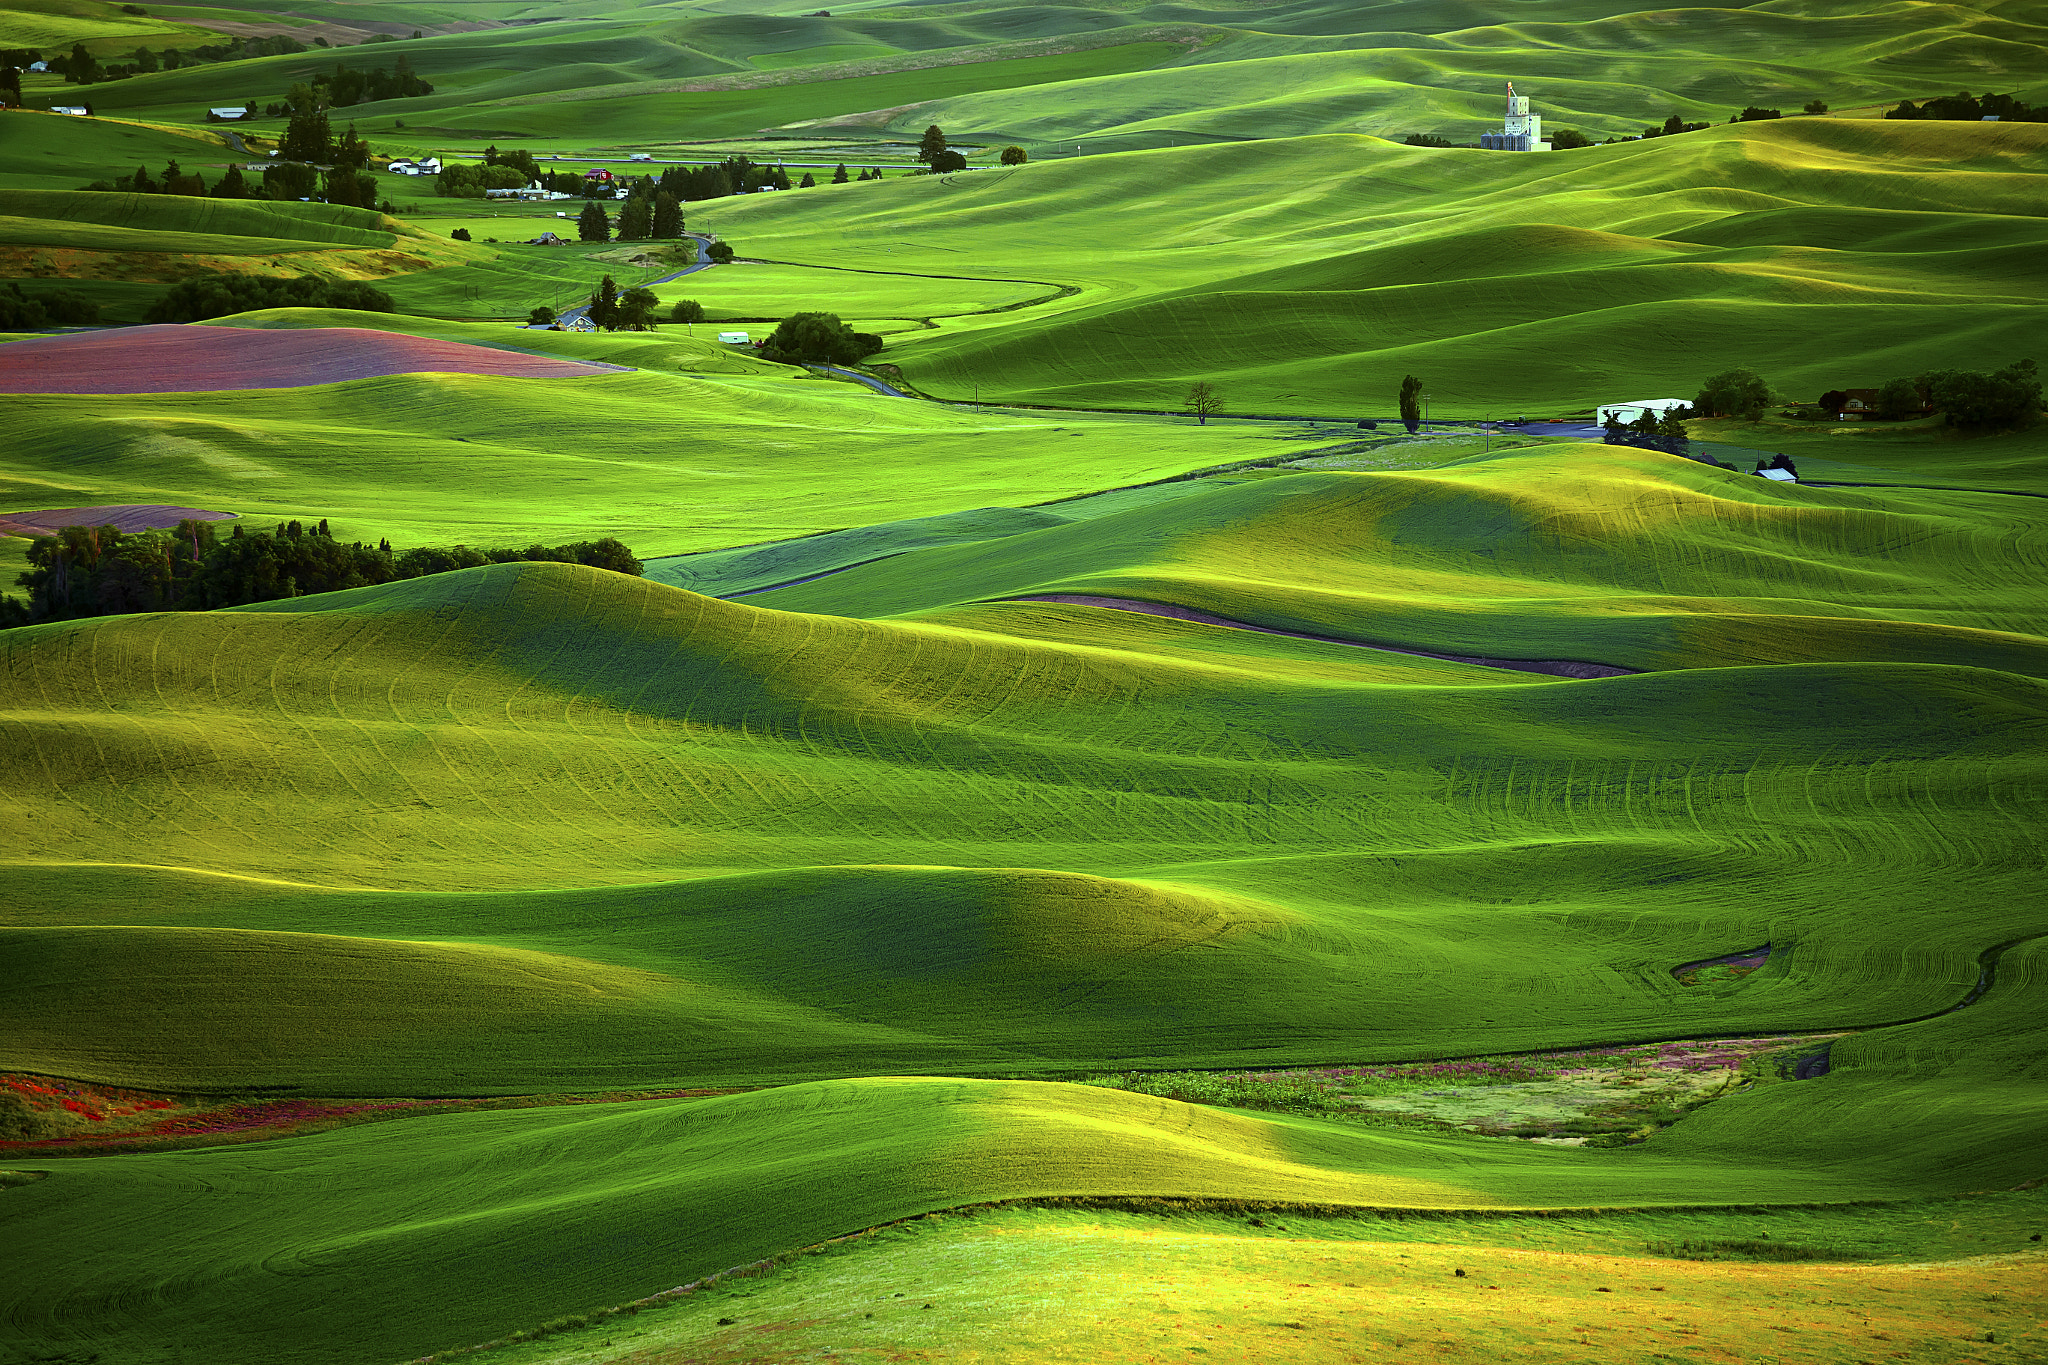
x,y
1633,410
78,110
232,112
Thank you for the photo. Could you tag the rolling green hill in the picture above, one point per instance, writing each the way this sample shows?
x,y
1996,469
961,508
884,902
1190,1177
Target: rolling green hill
x,y
1821,252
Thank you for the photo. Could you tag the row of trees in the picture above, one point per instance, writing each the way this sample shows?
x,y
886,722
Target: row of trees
x,y
1968,399
81,67
21,312
99,571
218,295
1963,106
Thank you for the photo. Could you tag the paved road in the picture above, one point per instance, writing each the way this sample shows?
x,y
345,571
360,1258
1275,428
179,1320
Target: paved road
x,y
703,243
877,385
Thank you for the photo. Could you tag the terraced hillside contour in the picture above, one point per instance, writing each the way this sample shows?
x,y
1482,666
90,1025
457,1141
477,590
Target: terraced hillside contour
x,y
526,827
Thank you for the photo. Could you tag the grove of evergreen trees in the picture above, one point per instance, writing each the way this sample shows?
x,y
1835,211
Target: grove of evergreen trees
x,y
217,295
100,571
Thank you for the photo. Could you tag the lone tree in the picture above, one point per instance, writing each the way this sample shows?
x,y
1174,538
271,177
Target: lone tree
x,y
839,175
1202,400
945,163
720,253
1411,402
1565,139
1815,107
1734,393
636,310
542,316
1014,156
592,225
931,145
668,217
604,305
1899,398
686,311
636,219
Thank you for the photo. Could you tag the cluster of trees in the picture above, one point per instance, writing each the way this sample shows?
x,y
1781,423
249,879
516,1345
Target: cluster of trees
x,y
218,295
1963,106
1674,125
347,86
818,337
80,67
937,157
21,312
632,311
1663,431
1967,399
100,571
656,217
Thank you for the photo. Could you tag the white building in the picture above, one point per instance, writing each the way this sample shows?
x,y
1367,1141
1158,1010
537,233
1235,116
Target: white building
x,y
1630,411
234,111
735,338
1522,132
77,109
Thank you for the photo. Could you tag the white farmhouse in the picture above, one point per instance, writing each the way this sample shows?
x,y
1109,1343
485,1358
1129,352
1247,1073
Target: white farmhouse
x,y
231,112
734,338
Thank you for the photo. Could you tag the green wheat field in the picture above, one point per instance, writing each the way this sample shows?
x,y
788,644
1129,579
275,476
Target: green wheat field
x,y
1023,875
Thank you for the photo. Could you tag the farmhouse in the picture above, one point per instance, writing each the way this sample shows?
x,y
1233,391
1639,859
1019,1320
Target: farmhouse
x,y
231,112
579,323
429,165
78,109
546,239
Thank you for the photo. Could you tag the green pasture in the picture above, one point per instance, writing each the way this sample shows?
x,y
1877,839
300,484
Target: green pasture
x,y
701,449
581,1208
1010,1283
1822,253
1032,836
62,152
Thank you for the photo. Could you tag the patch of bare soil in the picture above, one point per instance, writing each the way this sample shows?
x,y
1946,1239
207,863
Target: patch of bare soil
x,y
48,1115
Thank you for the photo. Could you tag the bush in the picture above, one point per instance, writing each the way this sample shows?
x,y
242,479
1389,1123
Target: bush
x,y
720,253
542,316
460,235
686,310
1012,156
1565,139
818,337
215,296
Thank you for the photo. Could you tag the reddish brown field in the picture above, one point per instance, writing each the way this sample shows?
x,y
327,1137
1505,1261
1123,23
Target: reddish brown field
x,y
122,516
168,358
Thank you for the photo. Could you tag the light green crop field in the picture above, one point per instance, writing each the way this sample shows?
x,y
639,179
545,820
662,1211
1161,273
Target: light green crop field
x,y
701,448
845,852
1823,253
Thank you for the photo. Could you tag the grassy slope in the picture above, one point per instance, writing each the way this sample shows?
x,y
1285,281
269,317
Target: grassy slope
x,y
580,1207
674,463
58,152
1028,802
1821,252
1562,552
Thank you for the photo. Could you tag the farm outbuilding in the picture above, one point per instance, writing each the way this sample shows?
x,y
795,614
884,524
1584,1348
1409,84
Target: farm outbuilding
x,y
735,338
1635,408
230,112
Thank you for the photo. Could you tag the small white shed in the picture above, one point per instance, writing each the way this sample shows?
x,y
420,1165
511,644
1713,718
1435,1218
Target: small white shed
x,y
735,338
231,112
1635,408
1779,475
